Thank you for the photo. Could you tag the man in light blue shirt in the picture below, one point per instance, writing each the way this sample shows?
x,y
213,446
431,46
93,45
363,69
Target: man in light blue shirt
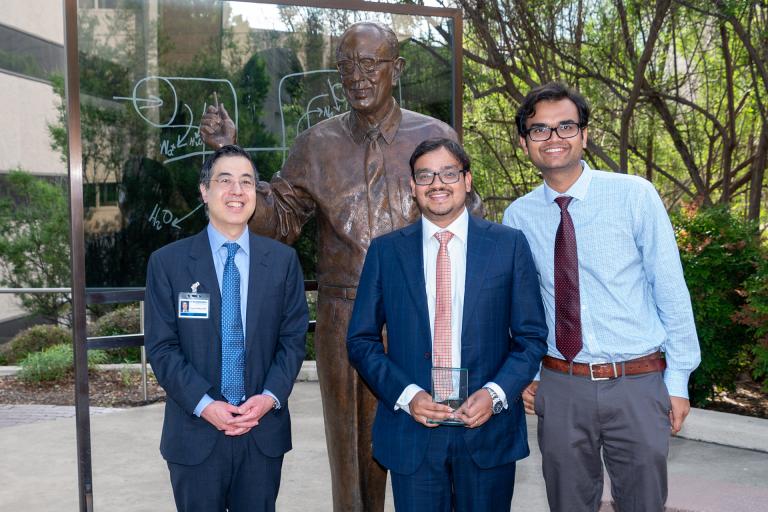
x,y
622,340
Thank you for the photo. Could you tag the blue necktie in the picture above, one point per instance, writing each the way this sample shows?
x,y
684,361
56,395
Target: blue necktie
x,y
232,339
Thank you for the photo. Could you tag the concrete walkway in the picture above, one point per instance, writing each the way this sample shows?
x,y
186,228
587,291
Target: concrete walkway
x,y
39,471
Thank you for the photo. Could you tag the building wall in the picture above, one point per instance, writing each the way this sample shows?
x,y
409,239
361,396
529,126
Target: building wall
x,y
26,15
30,105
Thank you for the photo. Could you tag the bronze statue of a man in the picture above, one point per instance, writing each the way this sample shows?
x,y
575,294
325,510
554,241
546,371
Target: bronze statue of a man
x,y
352,173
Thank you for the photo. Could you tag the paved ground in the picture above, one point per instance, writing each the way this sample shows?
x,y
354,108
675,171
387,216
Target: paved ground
x,y
12,415
38,465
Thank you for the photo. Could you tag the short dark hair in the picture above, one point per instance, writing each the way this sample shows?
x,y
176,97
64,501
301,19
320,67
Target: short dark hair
x,y
431,145
389,36
224,151
553,91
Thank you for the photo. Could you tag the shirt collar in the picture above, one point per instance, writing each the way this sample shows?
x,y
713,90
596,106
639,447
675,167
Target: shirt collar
x,y
578,190
358,127
458,227
217,240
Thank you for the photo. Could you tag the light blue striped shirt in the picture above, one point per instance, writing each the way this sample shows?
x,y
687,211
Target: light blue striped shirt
x,y
634,299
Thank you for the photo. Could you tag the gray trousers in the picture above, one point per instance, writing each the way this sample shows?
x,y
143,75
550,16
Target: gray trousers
x,y
627,419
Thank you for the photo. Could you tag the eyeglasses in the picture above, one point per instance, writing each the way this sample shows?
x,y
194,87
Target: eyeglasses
x,y
366,65
246,184
448,177
542,133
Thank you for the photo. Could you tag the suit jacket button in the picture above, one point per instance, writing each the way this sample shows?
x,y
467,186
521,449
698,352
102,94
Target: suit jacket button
x,y
427,355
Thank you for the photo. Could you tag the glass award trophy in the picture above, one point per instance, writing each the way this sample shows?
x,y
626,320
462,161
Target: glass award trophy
x,y
449,387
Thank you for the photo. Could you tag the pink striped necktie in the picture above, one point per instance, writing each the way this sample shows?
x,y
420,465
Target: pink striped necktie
x,y
441,343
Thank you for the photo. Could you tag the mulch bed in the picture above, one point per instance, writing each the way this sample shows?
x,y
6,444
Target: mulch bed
x,y
115,388
107,388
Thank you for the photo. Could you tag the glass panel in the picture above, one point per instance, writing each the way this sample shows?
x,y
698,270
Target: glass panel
x,y
148,71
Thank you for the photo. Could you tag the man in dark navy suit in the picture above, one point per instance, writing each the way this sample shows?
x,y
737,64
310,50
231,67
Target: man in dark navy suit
x,y
228,358
453,291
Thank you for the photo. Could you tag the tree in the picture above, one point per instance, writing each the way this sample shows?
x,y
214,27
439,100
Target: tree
x,y
677,89
34,242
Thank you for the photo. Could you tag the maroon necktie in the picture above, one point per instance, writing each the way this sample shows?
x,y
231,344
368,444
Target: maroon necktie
x,y
567,304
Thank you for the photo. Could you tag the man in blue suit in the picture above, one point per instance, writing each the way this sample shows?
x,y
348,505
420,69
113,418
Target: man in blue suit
x,y
482,311
228,357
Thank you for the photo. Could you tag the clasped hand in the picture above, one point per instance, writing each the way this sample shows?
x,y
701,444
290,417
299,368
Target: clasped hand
x,y
473,413
237,420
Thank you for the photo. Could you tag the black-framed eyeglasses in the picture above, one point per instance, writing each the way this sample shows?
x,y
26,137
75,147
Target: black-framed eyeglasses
x,y
228,182
366,65
564,131
448,176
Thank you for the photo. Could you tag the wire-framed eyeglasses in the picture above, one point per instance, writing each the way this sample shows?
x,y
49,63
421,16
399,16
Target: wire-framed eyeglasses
x,y
228,182
540,133
447,176
366,65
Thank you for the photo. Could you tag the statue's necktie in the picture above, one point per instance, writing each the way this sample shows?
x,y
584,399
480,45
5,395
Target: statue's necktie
x,y
379,215
232,339
567,302
441,342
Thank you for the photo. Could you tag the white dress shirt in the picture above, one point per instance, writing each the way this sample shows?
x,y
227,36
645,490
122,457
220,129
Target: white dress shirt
x,y
457,252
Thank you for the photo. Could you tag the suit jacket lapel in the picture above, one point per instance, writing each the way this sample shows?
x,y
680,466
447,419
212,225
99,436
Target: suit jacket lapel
x,y
480,248
411,258
258,274
202,270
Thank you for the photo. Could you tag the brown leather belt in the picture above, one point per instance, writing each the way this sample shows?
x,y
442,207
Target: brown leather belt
x,y
605,371
338,292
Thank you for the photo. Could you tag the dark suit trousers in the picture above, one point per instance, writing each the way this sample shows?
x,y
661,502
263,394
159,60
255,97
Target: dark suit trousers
x,y
236,477
626,420
449,480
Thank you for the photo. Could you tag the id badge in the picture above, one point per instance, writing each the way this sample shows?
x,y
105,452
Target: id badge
x,y
194,305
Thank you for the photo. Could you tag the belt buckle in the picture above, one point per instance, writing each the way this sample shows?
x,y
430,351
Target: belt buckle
x,y
592,372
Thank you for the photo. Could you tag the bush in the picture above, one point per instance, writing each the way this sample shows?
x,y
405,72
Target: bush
x,y
124,320
754,315
54,363
719,253
35,339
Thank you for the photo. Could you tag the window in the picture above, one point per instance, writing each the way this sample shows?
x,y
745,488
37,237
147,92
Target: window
x,y
29,55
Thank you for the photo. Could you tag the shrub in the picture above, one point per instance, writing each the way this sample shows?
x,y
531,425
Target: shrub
x,y
35,339
719,253
54,363
124,320
754,314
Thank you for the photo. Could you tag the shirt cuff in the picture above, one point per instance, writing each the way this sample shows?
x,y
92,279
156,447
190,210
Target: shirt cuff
x,y
406,396
499,392
272,395
202,404
677,382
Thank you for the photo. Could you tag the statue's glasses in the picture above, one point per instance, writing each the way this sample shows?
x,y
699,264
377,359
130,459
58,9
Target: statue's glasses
x,y
540,133
447,176
366,65
228,183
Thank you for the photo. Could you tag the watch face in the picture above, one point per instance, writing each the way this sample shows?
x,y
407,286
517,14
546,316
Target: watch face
x,y
497,407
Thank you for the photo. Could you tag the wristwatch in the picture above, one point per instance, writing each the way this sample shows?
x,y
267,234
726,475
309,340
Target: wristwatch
x,y
498,405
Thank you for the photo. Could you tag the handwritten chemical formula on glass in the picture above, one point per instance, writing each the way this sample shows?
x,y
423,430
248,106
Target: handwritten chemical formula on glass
x,y
160,218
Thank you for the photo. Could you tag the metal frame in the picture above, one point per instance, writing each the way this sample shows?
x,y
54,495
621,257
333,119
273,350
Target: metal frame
x,y
80,342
